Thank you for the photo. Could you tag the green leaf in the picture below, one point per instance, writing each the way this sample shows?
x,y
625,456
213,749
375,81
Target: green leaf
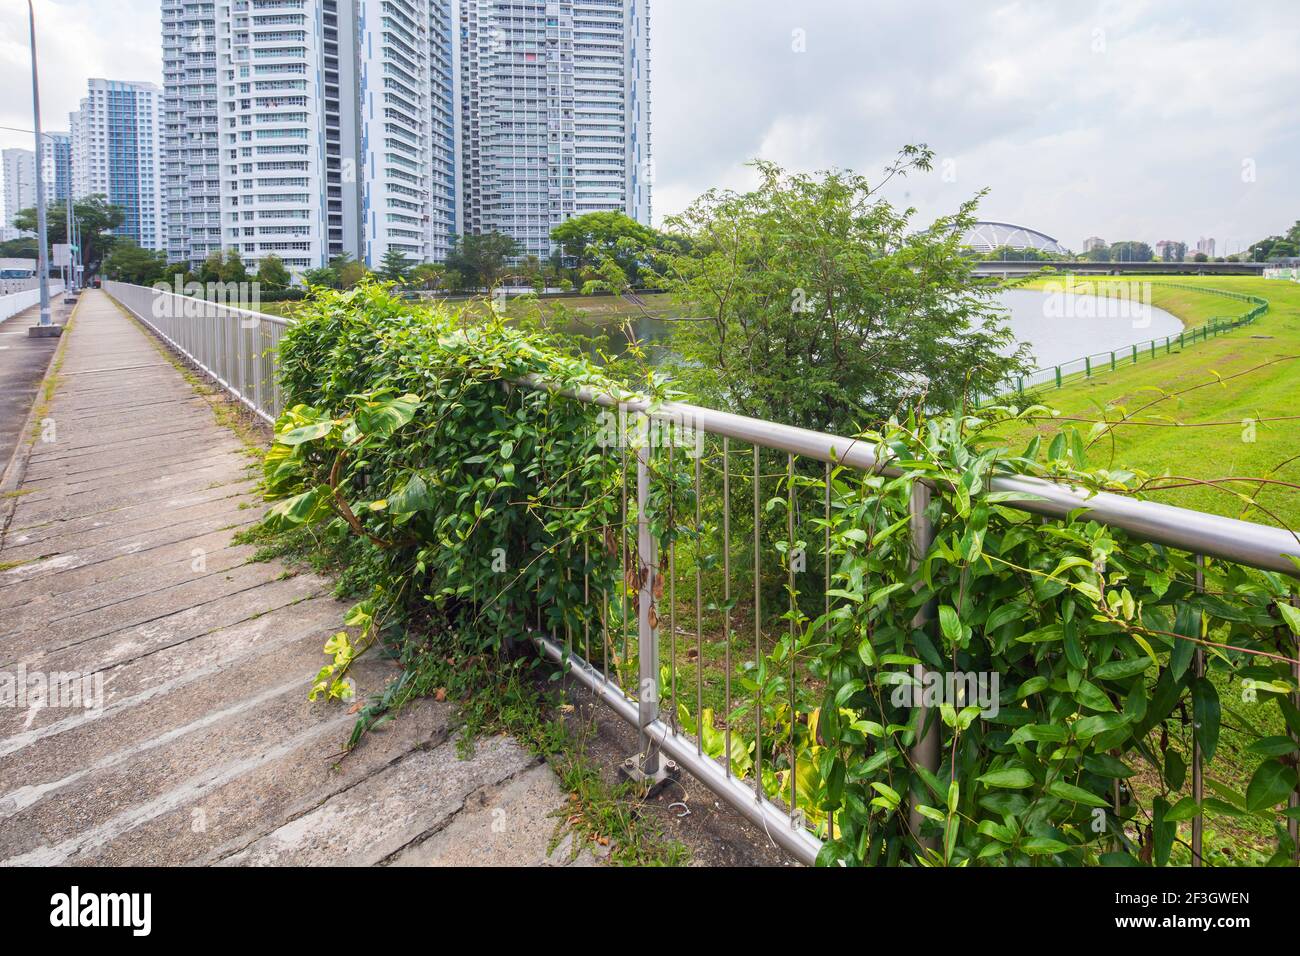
x,y
1052,733
1272,783
1044,846
1104,765
305,433
1276,746
1068,791
1184,809
1118,670
1011,779
1291,615
1090,695
1051,632
1088,727
304,508
949,623
413,497
1205,712
1032,686
1005,614
385,417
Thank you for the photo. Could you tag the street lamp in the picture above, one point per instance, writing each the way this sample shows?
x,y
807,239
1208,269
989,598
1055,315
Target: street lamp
x,y
45,327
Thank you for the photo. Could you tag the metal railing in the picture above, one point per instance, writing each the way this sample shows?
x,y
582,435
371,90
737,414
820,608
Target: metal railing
x,y
15,302
622,662
236,347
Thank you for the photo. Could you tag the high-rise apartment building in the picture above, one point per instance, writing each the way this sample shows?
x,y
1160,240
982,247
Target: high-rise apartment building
x,y
315,129
116,152
555,112
18,169
56,165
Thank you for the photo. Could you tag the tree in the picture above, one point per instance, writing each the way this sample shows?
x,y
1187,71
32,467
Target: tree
x,y
96,218
348,270
429,275
232,269
1200,257
1130,250
480,258
1277,247
822,305
1175,252
395,266
24,247
1098,254
588,238
210,269
1026,254
272,275
322,276
127,262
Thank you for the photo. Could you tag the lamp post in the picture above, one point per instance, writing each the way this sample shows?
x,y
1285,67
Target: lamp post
x,y
45,326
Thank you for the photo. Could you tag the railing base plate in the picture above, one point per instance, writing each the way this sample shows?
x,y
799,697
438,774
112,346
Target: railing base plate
x,y
648,784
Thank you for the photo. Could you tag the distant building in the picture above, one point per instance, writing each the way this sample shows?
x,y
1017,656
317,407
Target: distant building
x,y
56,166
116,151
363,127
1093,242
1206,246
18,170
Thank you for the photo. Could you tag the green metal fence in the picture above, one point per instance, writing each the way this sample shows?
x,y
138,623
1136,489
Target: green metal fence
x,y
1063,373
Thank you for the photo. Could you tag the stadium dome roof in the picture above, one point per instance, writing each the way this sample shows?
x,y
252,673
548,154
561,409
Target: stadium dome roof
x,y
987,236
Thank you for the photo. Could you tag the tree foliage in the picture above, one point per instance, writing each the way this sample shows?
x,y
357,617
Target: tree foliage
x,y
1131,250
272,274
127,262
817,303
481,258
395,267
96,219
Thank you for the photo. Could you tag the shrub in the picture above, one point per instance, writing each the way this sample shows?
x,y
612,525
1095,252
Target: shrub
x,y
479,505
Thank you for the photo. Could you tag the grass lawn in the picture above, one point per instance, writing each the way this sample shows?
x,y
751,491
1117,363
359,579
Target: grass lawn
x,y
1246,375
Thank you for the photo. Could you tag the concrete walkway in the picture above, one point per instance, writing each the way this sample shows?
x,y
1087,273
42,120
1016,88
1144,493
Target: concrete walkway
x,y
182,733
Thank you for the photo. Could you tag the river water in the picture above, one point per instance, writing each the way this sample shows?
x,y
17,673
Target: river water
x,y
1058,326
1062,326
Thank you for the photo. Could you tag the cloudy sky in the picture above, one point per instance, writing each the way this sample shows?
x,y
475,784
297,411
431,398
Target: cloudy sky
x,y
1149,120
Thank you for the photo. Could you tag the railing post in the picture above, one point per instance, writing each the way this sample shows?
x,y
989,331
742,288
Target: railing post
x,y
645,767
1058,376
925,751
1198,776
1087,367
1293,801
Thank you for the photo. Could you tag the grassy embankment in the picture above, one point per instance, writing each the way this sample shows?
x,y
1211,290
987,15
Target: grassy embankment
x,y
1189,413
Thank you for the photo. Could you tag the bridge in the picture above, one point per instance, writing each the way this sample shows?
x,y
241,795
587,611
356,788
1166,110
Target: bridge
x,y
153,675
1011,269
